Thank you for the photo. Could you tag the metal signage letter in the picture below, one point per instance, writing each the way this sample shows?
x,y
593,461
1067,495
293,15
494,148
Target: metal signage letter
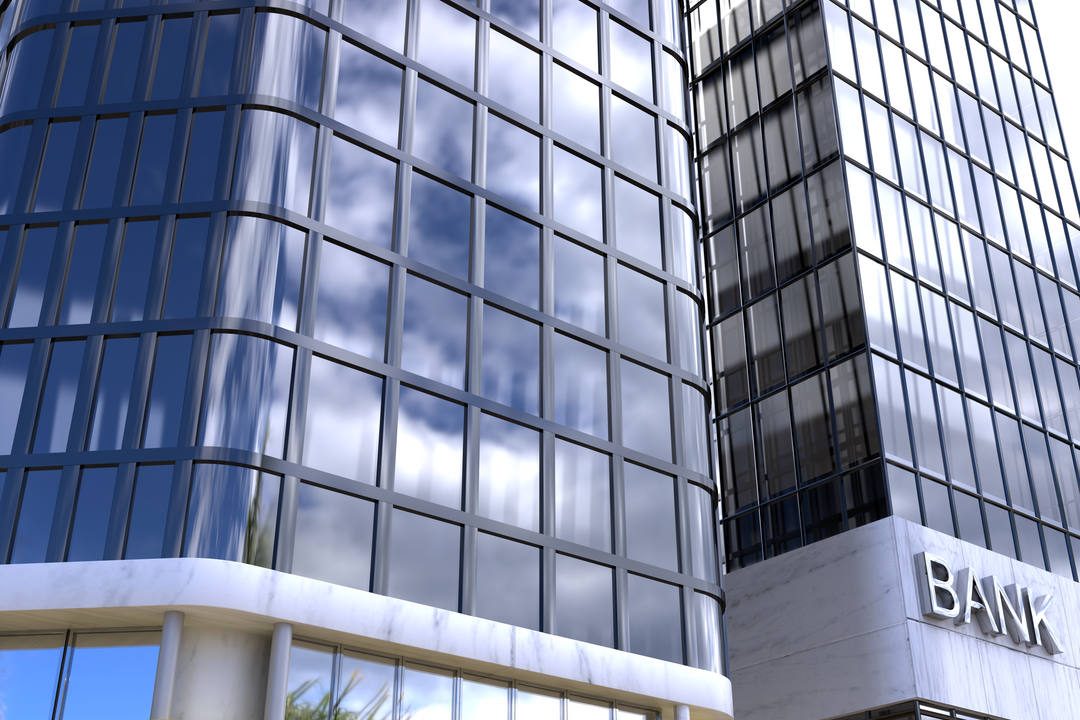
x,y
1007,607
973,599
1039,627
935,584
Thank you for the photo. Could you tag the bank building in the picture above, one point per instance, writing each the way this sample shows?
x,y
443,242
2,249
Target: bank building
x,y
536,360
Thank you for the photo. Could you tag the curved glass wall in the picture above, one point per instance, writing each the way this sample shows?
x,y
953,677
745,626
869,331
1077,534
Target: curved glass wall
x,y
398,295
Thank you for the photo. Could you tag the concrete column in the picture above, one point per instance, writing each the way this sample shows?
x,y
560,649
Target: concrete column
x,y
171,631
277,676
682,712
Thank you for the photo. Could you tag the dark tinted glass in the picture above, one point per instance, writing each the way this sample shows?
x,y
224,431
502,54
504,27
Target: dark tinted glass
x,y
113,393
333,537
92,510
507,581
33,275
167,391
186,267
104,163
171,58
149,506
650,517
655,619
218,57
424,559
232,514
202,159
129,299
584,604
58,400
56,167
35,516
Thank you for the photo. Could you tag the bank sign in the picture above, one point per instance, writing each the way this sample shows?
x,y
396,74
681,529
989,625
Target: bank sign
x,y
1012,609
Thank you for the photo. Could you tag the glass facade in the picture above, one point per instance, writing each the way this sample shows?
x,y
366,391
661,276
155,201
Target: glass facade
x,y
899,339
403,296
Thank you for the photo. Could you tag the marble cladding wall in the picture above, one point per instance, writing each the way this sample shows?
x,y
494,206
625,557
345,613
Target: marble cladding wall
x,y
836,627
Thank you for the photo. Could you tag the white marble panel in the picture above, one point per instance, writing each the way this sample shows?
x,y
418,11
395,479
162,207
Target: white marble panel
x,y
948,668
818,594
1056,688
221,675
1008,683
831,680
260,597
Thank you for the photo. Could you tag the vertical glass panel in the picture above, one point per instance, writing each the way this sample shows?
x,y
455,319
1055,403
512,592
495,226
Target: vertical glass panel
x,y
940,339
577,193
969,519
58,399
909,321
633,134
93,680
124,64
631,60
646,406
424,560
260,275
1001,534
642,323
381,20
509,489
430,692
574,31
755,248
807,43
167,391
365,684
864,213
866,50
105,162
1042,475
218,57
232,514
855,411
153,164
791,233
879,319
30,666
447,41
582,496
961,467
650,518
281,177
774,77
14,365
434,338
247,394
516,175
344,411
35,516
186,268
748,168
149,508
368,93
311,669
584,605
510,366
522,14
1057,552
702,522
827,204
766,346
56,166
802,326
12,154
32,278
201,166
534,706
430,448
924,424
938,173
1023,379
92,509
723,259
581,394
333,537
967,345
864,494
1027,533
851,127
841,307
896,74
360,197
892,409
822,514
783,531
26,72
742,540
836,27
1063,457
352,301
481,699
952,259
507,582
907,143
513,74
716,186
923,91
937,506
1053,411
288,59
171,58
512,258
881,147
133,279
813,432
576,108
1071,392
655,619
729,356
905,494
439,226
113,392
1012,453
443,130
776,453
637,223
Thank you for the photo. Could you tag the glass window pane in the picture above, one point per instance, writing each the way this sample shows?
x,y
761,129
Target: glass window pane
x,y
201,168
443,129
856,426
584,606
507,582
113,392
631,60
424,559
218,57
510,367
655,619
14,364
365,685
574,31
577,194
311,668
429,694
434,339
171,58
512,257
516,175
58,399
149,507
766,346
35,516
247,394
509,473
153,164
288,60
813,433
186,268
582,496
167,391
232,514
447,40
513,72
56,166
127,46
650,518
892,409
105,162
352,301
576,108
26,71
633,133
368,93
646,410
642,321
637,223
430,448
381,20
33,274
129,299
360,198
344,414
281,178
581,393
439,226
30,666
12,154
333,537
114,670
802,326
92,510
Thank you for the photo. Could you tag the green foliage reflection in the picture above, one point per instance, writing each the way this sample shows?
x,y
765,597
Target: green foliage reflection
x,y
378,707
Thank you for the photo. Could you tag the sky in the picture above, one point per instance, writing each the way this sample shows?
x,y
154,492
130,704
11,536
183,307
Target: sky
x,y
1058,20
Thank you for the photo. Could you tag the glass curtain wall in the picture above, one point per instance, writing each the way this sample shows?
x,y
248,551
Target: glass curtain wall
x,y
398,295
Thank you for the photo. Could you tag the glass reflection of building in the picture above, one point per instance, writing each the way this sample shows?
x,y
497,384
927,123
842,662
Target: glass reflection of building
x,y
400,300
889,223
